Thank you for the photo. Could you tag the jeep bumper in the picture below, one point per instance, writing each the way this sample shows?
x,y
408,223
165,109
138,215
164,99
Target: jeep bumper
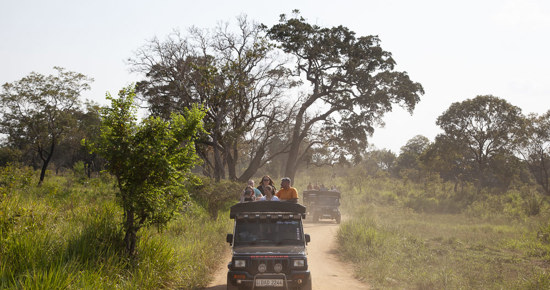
x,y
294,280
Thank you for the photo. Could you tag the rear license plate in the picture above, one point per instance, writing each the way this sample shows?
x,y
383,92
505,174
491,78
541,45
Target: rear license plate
x,y
269,283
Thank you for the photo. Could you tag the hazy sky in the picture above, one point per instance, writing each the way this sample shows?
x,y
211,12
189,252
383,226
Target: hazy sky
x,y
455,49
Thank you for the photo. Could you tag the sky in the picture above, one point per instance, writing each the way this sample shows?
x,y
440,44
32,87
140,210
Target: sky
x,y
456,49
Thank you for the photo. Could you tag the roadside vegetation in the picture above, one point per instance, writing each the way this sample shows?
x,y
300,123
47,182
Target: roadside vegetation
x,y
68,233
404,235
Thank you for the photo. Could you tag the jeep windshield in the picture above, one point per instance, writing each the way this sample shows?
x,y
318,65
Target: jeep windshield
x,y
268,232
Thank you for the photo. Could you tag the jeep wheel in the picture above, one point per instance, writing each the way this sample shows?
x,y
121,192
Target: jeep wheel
x,y
308,286
230,286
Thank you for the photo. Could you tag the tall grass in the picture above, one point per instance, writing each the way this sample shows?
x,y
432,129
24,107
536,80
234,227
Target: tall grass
x,y
426,236
67,234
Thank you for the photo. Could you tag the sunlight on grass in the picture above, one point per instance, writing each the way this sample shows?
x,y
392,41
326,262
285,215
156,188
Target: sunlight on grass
x,y
67,234
401,245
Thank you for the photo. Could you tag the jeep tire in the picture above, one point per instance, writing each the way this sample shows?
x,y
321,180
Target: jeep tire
x,y
309,286
230,286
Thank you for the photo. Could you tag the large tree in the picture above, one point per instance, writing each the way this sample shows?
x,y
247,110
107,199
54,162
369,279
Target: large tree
x,y
38,112
351,85
377,161
150,160
408,162
448,159
534,148
485,127
235,75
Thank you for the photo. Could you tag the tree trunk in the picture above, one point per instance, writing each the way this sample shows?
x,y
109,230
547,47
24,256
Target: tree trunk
x,y
253,166
231,158
544,177
46,161
218,164
292,160
130,239
296,141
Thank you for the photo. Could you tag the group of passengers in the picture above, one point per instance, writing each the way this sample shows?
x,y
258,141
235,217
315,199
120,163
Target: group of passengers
x,y
321,187
267,191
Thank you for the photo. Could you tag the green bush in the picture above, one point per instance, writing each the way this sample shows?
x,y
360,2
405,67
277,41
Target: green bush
x,y
14,176
216,196
79,172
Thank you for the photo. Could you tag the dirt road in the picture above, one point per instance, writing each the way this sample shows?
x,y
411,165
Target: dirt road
x,y
327,271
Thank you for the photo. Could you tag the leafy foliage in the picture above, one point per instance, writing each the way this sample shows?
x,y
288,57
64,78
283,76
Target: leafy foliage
x,y
215,196
38,112
484,128
352,78
534,148
149,160
236,75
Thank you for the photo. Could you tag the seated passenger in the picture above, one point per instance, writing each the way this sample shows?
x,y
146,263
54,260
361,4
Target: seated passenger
x,y
269,194
287,193
266,180
257,192
248,194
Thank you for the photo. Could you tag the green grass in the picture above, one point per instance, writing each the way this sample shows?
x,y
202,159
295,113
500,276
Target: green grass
x,y
398,247
67,234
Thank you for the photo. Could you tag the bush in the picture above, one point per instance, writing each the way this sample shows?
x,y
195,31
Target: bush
x,y
14,176
79,172
215,196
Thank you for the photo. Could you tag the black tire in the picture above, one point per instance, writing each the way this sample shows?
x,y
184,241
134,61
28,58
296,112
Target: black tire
x,y
230,286
308,286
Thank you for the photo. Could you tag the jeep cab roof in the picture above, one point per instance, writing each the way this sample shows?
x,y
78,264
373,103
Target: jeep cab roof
x,y
263,208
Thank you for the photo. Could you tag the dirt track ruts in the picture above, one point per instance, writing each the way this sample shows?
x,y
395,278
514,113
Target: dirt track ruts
x,y
327,271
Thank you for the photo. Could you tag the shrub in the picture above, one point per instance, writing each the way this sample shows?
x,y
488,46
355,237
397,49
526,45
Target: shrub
x,y
533,204
79,172
216,196
14,176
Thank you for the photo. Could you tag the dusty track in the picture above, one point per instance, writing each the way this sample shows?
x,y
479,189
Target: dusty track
x,y
327,271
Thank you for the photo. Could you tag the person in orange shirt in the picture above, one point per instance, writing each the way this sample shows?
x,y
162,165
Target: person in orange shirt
x,y
287,193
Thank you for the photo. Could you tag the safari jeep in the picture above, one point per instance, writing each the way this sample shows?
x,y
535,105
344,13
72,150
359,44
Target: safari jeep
x,y
323,204
268,247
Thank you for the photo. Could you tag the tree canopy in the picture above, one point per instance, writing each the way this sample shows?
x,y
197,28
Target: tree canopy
x,y
150,160
484,127
235,75
38,112
353,84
